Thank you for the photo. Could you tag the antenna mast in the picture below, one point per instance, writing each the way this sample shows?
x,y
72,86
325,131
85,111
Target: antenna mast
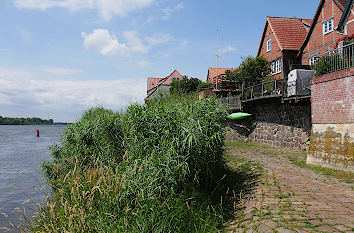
x,y
217,48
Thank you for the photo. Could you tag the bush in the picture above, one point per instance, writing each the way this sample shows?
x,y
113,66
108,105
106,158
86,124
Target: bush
x,y
328,64
155,168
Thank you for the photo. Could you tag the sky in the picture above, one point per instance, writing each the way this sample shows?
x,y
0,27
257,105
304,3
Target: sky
x,y
61,57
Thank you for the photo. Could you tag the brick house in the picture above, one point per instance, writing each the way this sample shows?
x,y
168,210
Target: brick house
x,y
332,115
346,23
215,75
161,85
323,35
281,41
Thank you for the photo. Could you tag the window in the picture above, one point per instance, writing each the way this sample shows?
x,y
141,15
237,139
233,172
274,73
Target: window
x,y
275,66
328,26
269,45
272,67
313,60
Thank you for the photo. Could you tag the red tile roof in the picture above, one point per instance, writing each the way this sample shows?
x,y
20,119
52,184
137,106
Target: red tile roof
x,y
289,32
153,83
215,72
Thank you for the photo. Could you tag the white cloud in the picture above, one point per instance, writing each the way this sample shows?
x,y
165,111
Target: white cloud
x,y
227,49
144,63
21,90
167,12
135,44
100,40
106,8
26,36
159,38
61,71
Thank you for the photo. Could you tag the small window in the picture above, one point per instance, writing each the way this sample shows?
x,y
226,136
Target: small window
x,y
269,45
328,26
313,60
275,66
278,66
272,67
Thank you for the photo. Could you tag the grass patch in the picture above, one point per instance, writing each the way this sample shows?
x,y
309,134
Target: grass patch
x,y
242,165
300,161
243,144
296,157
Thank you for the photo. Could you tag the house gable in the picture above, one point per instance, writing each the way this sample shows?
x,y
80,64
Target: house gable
x,y
155,84
322,36
175,75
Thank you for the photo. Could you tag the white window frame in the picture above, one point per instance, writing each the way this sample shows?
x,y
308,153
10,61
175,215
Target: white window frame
x,y
313,60
328,26
275,66
269,44
272,68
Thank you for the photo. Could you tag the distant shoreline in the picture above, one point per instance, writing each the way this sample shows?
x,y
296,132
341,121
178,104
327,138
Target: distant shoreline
x,y
40,124
28,121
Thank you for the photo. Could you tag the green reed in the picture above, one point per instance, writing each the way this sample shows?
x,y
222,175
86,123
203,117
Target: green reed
x,y
157,167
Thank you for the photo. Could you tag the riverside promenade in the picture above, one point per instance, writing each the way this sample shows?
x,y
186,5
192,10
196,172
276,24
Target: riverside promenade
x,y
292,196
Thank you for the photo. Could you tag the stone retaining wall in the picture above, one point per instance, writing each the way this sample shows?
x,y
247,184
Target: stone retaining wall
x,y
274,123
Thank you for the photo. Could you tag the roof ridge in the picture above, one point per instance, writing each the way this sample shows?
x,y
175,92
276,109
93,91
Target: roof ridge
x,y
286,17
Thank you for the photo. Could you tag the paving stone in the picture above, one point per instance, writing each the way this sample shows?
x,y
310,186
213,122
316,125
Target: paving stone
x,y
316,222
342,228
284,230
325,228
308,230
327,201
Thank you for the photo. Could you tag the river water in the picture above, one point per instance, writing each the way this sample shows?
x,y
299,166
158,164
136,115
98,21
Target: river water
x,y
21,181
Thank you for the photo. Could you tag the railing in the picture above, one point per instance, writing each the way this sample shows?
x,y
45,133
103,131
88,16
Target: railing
x,y
232,102
334,60
262,90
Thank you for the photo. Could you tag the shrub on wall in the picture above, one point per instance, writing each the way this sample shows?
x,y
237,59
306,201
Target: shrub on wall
x,y
328,64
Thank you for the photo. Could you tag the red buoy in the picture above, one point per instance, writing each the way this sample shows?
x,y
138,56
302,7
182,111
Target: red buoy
x,y
37,133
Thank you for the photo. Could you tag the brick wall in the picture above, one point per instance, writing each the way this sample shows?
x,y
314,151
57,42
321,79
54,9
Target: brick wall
x,y
332,137
333,97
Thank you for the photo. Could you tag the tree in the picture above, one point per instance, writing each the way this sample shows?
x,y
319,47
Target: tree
x,y
251,70
187,85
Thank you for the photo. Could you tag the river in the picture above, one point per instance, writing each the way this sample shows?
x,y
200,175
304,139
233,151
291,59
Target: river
x,y
21,181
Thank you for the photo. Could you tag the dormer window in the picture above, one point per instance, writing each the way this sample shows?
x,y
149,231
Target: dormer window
x,y
269,45
328,26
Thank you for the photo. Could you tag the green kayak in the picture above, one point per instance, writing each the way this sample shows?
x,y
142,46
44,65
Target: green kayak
x,y
238,115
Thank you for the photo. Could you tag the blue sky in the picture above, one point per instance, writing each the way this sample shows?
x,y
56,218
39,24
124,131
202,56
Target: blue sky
x,y
60,57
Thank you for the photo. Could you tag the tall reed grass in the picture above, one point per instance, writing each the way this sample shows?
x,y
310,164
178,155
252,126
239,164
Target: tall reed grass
x,y
154,168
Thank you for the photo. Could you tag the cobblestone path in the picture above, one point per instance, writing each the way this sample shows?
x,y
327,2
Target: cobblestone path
x,y
293,199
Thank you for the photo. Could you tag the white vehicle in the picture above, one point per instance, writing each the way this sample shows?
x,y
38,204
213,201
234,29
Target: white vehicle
x,y
299,82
